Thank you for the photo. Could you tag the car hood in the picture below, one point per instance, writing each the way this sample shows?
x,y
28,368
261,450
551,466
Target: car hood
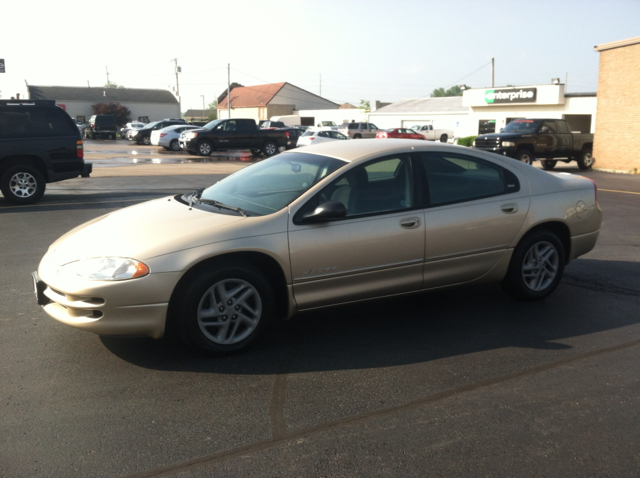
x,y
144,231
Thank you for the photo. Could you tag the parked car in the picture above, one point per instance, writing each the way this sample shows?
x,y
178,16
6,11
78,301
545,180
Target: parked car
x,y
321,135
428,131
548,139
127,128
143,135
359,130
169,137
327,124
399,133
235,133
101,126
293,135
335,223
39,144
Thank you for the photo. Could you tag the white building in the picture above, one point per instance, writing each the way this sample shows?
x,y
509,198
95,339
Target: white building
x,y
488,110
145,104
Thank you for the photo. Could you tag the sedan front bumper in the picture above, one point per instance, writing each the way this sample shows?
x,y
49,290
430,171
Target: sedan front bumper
x,y
134,307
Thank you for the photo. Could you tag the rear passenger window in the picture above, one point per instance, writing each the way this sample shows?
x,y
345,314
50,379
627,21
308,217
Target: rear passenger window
x,y
456,178
20,122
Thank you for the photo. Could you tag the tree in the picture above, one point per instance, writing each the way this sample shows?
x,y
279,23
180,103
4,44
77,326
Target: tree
x,y
111,84
214,112
441,92
365,106
121,113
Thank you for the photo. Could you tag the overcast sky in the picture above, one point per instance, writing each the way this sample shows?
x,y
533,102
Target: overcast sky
x,y
351,50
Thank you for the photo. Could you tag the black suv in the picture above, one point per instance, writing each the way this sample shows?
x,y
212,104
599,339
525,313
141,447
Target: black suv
x,y
101,126
143,135
39,144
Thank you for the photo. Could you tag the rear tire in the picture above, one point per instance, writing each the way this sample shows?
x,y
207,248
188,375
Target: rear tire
x,y
174,145
548,164
146,140
256,151
22,184
205,148
225,309
357,136
525,156
444,138
585,160
270,148
536,267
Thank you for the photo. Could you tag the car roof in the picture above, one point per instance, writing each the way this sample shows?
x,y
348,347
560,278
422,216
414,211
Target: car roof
x,y
362,149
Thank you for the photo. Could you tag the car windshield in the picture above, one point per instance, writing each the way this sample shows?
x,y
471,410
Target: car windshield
x,y
270,185
521,126
151,125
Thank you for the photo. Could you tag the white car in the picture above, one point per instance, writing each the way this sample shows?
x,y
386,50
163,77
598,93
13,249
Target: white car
x,y
168,137
321,135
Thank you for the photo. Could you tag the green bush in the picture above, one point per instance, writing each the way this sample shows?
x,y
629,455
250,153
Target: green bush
x,y
466,141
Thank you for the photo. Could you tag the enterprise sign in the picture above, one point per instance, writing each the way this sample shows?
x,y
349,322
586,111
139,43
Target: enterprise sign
x,y
511,95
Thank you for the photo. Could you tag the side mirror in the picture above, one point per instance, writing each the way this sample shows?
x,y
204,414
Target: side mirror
x,y
326,211
544,129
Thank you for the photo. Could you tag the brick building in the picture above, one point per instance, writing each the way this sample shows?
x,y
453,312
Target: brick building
x,y
618,118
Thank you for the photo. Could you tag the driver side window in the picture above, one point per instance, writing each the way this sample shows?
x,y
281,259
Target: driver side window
x,y
385,185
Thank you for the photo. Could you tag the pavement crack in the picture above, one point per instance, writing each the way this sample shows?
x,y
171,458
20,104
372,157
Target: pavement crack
x,y
258,446
279,394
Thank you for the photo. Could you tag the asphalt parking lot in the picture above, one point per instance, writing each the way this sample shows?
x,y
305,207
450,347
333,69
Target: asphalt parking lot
x,y
464,382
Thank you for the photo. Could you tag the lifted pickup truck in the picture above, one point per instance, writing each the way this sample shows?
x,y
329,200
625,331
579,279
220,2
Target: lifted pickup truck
x,y
548,139
232,133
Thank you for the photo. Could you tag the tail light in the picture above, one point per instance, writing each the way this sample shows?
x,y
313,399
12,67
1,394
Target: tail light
x,y
287,133
162,135
79,149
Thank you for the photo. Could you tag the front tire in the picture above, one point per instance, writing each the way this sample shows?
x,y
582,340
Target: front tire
x,y
255,152
536,267
22,184
146,140
585,160
525,156
225,309
548,164
270,148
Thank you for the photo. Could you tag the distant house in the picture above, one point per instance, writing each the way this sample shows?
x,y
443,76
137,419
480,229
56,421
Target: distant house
x,y
145,104
197,115
261,102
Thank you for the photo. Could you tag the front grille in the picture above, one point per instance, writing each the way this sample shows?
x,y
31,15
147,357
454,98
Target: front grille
x,y
487,143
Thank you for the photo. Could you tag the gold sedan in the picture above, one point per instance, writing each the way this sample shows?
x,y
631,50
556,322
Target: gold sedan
x,y
331,224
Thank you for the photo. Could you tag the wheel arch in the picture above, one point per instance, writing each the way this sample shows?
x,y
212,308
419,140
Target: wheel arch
x,y
559,228
34,160
264,263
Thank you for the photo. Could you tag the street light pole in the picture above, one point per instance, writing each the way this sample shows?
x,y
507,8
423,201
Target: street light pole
x,y
202,96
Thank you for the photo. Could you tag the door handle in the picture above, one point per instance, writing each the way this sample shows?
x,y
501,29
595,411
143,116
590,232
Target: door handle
x,y
509,208
410,222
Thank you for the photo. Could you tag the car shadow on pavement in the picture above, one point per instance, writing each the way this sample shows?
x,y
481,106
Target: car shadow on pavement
x,y
418,328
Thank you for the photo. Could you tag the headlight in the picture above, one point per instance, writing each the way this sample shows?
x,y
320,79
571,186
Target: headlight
x,y
190,135
133,132
474,143
106,268
508,144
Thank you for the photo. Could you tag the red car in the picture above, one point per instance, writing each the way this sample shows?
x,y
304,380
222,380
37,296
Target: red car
x,y
399,133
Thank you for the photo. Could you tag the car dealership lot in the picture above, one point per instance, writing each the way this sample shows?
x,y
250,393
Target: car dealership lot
x,y
463,382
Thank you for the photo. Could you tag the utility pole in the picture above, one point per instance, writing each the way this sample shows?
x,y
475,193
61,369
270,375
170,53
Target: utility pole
x,y
320,84
177,70
229,87
202,106
107,68
492,72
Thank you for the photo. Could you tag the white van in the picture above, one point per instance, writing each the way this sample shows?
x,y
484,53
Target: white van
x,y
288,120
